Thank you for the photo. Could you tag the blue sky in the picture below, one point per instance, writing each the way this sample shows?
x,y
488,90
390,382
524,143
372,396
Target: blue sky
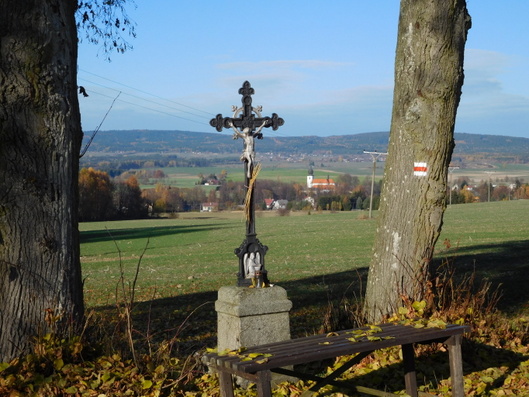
x,y
325,67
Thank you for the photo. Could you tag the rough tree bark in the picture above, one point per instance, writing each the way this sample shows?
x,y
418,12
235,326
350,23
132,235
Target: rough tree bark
x,y
428,81
40,138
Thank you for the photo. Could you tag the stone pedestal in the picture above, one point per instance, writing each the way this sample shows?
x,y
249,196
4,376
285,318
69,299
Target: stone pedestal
x,y
249,317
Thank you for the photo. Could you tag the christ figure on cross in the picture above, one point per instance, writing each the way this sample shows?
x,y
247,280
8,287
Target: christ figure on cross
x,y
248,153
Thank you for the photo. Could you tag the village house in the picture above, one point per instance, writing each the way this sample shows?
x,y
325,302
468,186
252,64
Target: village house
x,y
272,204
280,205
209,207
269,203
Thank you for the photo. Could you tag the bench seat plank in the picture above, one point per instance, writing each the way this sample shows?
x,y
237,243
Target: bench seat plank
x,y
320,347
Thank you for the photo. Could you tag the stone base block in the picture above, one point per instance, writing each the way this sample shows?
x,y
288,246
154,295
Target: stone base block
x,y
252,316
249,317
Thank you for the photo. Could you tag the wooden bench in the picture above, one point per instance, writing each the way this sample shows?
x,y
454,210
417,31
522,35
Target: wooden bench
x,y
256,363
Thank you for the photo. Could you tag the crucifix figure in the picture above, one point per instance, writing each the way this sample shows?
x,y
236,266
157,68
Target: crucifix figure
x,y
248,153
247,123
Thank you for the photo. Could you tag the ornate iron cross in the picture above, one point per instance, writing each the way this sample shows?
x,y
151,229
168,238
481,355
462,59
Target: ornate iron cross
x,y
246,125
247,118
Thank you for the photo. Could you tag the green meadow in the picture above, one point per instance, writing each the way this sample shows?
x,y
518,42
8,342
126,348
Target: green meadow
x,y
288,172
283,171
315,256
195,253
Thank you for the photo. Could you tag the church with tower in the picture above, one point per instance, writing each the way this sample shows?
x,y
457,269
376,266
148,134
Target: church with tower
x,y
322,185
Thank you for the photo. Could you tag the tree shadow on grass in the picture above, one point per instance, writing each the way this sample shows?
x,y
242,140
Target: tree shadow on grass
x,y
97,236
505,265
190,320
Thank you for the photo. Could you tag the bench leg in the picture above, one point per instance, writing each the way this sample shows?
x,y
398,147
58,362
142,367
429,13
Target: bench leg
x,y
264,389
456,365
226,384
410,377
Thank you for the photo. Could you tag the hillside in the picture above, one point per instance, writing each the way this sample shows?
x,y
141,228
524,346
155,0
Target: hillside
x,y
172,142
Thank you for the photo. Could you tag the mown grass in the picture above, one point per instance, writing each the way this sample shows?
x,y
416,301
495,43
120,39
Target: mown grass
x,y
195,253
316,257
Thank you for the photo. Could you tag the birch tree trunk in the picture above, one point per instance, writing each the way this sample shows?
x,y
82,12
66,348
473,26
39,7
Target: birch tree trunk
x,y
428,81
40,138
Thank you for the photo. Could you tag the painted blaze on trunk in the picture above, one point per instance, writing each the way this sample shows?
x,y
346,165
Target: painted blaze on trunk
x,y
428,81
40,135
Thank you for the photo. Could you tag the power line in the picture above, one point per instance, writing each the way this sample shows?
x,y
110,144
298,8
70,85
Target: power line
x,y
150,108
147,93
205,116
145,99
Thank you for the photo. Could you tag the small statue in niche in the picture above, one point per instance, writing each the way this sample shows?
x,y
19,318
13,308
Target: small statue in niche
x,y
254,270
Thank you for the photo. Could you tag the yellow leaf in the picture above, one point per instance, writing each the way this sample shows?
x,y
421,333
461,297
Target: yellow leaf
x,y
419,306
436,324
58,364
146,384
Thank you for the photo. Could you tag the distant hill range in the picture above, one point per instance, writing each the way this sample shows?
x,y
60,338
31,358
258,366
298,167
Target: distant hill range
x,y
154,141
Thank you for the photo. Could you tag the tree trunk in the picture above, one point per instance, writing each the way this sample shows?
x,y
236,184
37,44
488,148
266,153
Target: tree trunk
x,y
40,138
428,81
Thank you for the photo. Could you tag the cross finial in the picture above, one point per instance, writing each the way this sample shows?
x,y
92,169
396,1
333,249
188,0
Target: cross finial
x,y
245,116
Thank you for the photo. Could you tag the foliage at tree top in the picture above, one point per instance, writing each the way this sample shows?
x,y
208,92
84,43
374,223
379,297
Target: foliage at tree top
x,y
106,23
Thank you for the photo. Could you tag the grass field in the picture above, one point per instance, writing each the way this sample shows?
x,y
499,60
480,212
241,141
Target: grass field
x,y
186,177
194,253
315,257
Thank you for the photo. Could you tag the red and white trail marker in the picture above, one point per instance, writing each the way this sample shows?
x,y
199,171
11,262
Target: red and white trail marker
x,y
420,169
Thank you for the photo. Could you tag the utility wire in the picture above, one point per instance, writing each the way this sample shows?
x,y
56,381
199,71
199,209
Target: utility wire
x,y
144,99
148,93
150,108
203,117
98,127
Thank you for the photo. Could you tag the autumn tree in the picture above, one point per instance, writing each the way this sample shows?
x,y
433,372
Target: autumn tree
x,y
40,135
212,196
164,198
501,192
128,200
95,195
428,81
